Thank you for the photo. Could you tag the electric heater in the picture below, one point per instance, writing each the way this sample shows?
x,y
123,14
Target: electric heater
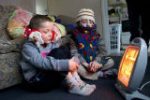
x,y
132,69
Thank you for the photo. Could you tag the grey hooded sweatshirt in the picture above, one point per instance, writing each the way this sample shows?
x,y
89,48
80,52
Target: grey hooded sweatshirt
x,y
34,59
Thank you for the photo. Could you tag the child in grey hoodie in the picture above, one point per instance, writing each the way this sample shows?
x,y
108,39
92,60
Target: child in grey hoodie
x,y
41,68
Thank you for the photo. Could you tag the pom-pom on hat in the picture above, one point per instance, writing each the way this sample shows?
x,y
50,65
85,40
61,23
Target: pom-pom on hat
x,y
85,14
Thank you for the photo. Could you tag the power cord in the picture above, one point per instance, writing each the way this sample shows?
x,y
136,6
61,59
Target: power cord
x,y
141,88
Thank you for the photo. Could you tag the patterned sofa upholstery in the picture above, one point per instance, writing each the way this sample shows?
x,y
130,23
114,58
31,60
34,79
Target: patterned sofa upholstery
x,y
9,51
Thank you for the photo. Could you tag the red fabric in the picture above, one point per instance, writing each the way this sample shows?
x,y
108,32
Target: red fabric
x,y
28,31
53,36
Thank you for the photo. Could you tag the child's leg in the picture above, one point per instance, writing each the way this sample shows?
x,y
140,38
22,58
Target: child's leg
x,y
107,63
107,70
84,73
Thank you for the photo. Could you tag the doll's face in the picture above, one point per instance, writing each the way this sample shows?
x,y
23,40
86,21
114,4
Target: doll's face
x,y
49,32
86,23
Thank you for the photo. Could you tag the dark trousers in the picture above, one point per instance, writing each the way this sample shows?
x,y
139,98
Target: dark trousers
x,y
44,81
48,80
139,19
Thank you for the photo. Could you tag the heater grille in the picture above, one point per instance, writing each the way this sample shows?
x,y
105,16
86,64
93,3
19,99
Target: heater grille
x,y
127,64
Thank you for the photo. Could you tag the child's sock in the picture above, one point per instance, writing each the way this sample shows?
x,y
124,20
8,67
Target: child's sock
x,y
77,88
70,79
110,73
77,77
100,73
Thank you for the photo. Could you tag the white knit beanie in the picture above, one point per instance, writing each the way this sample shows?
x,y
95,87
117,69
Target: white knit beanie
x,y
85,14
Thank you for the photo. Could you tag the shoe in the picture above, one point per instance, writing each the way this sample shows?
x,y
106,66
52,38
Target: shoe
x,y
83,90
111,73
77,86
81,82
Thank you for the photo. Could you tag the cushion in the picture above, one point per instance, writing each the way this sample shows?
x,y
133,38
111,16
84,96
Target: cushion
x,y
60,26
62,29
17,22
5,12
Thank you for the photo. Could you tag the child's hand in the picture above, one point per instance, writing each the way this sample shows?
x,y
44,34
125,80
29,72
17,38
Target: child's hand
x,y
73,65
94,66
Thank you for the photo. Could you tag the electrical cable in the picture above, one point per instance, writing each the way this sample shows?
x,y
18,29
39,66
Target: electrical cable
x,y
141,88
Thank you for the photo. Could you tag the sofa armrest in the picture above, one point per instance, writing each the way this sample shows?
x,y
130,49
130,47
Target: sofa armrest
x,y
12,45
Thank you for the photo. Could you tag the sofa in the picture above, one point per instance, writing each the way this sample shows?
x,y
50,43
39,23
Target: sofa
x,y
13,21
9,50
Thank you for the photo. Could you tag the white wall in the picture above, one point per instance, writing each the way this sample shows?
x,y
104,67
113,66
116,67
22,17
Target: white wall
x,y
61,7
41,7
70,8
26,4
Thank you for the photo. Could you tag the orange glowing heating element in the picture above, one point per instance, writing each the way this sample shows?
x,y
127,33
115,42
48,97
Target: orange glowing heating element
x,y
127,64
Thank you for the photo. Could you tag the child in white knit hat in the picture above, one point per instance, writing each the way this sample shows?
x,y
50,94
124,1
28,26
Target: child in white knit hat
x,y
94,62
